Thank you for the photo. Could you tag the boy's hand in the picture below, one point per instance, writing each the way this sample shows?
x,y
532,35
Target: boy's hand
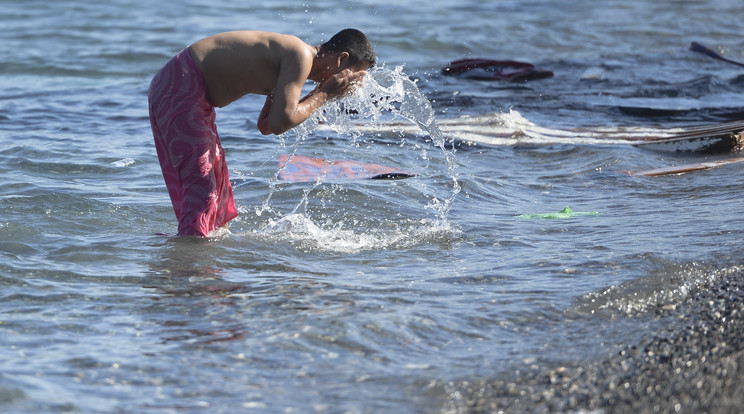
x,y
342,83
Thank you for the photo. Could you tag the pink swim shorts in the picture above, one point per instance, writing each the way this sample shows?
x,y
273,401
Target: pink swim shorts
x,y
189,149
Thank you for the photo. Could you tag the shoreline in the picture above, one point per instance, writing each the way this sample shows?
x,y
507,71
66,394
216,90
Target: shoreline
x,y
694,364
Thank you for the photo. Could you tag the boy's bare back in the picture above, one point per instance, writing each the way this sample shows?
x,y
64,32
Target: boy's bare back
x,y
234,64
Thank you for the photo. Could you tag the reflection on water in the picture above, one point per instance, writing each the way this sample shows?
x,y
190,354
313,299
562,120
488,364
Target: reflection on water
x,y
192,303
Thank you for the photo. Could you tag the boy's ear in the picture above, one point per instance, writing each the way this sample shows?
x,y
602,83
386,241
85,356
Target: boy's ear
x,y
343,58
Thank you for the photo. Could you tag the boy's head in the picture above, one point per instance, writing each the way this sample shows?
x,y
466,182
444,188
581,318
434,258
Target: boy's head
x,y
359,52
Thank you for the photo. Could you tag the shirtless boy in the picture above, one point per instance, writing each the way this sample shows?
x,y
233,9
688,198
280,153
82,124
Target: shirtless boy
x,y
220,69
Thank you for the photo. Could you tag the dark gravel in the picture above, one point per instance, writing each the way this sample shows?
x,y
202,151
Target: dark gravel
x,y
694,365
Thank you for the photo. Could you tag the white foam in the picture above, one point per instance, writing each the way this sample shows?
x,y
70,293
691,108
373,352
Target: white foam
x,y
662,289
304,233
512,128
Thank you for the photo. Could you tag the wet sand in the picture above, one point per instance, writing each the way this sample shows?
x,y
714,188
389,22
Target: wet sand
x,y
694,365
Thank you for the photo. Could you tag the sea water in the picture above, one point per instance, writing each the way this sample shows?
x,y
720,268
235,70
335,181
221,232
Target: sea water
x,y
364,296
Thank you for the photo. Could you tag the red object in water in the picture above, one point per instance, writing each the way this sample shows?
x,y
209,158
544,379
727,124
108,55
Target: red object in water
x,y
489,69
299,168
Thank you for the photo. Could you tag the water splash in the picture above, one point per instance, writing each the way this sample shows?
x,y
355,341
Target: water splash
x,y
385,94
386,91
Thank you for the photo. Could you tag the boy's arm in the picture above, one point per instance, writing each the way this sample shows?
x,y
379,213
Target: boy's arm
x,y
282,109
285,110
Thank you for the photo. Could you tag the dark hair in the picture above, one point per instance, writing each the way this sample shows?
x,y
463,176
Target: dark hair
x,y
353,42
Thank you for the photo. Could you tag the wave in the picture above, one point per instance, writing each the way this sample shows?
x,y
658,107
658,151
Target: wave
x,y
513,129
662,290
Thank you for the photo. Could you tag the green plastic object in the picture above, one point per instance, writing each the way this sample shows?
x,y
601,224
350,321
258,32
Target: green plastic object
x,y
565,213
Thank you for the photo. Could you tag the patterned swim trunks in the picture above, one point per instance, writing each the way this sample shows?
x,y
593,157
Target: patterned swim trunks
x,y
189,148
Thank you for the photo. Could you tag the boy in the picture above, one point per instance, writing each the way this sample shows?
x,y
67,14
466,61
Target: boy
x,y
220,69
